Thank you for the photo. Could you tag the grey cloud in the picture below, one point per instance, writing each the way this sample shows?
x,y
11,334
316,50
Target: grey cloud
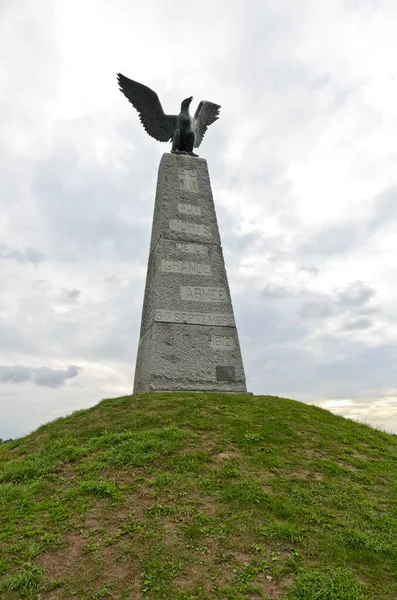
x,y
362,370
363,4
295,95
355,294
55,377
318,307
30,78
267,321
15,374
354,300
25,255
90,208
385,209
359,367
18,335
70,296
103,328
278,291
284,355
44,376
357,324
332,240
310,269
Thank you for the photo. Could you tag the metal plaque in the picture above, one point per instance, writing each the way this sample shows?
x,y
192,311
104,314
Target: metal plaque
x,y
225,374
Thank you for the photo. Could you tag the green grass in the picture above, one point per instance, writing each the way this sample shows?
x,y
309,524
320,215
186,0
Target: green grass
x,y
198,497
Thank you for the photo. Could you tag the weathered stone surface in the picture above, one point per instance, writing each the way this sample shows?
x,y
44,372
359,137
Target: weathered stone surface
x,y
188,338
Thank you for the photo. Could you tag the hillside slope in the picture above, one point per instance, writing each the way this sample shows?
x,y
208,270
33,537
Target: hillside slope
x,y
199,496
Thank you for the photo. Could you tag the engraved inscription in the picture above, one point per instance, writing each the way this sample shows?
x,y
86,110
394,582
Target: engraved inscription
x,y
219,342
186,267
203,294
189,209
191,248
194,318
188,180
185,227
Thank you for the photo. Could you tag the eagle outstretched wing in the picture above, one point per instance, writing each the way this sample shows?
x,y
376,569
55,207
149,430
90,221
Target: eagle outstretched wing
x,y
157,124
206,113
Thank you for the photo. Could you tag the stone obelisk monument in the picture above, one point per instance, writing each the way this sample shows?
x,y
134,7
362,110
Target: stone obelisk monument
x,y
188,339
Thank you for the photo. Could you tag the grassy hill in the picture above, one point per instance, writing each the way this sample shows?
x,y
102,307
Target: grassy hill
x,y
199,496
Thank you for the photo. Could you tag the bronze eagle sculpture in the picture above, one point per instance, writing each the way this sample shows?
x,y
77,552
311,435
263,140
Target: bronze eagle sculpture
x,y
185,132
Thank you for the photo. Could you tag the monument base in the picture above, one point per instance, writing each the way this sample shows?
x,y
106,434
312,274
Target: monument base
x,y
176,357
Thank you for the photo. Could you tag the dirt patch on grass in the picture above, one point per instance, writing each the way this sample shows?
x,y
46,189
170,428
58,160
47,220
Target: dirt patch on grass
x,y
66,470
306,475
59,562
240,558
301,475
271,587
106,520
209,506
347,466
226,455
213,572
204,573
85,570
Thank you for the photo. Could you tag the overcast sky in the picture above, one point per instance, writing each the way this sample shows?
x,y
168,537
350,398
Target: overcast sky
x,y
303,170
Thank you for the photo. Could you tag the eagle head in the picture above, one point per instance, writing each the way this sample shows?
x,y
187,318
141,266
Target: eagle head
x,y
186,103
